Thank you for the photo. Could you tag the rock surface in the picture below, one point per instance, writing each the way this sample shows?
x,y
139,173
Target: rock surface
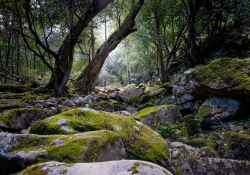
x,y
217,109
122,167
154,117
130,95
22,118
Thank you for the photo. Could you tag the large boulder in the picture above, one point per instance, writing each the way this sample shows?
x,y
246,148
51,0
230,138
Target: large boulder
x,y
226,77
139,140
156,116
94,146
217,109
122,167
22,118
131,95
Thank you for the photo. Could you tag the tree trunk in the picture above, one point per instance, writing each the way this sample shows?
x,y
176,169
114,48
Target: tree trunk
x,y
86,82
64,61
159,46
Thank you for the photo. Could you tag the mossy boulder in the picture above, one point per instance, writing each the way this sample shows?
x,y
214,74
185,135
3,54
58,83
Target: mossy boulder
x,y
101,168
131,95
217,109
229,77
235,146
139,140
200,142
6,104
22,118
95,146
156,116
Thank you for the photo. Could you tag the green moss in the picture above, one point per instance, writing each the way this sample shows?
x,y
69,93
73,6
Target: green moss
x,y
146,105
85,148
137,164
205,111
177,131
6,116
139,140
65,108
6,104
180,94
230,71
210,152
200,142
143,113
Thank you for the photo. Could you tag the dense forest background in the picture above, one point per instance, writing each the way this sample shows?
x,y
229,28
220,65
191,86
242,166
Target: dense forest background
x,y
169,37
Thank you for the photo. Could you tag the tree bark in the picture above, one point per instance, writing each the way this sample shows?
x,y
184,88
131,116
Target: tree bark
x,y
160,45
86,82
63,63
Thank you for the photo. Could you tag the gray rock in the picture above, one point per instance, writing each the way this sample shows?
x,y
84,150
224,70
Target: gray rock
x,y
57,142
131,109
130,94
69,103
38,105
160,117
218,109
121,167
217,166
24,105
20,119
90,98
236,128
48,104
125,113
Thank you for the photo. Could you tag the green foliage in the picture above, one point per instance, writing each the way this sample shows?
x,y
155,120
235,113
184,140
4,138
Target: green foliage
x,y
177,131
200,142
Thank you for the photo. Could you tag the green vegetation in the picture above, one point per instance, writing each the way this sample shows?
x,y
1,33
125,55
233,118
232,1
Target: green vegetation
x,y
200,142
135,136
225,71
151,110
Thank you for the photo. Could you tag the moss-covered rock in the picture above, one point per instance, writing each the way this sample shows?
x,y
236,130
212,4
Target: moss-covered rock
x,y
101,168
92,146
200,142
139,140
22,118
217,109
235,146
225,77
208,151
156,116
6,104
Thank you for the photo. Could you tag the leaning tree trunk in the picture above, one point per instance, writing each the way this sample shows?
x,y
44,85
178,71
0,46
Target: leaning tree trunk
x,y
86,82
64,60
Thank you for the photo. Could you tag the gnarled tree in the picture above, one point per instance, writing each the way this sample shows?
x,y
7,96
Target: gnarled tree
x,y
87,80
64,57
